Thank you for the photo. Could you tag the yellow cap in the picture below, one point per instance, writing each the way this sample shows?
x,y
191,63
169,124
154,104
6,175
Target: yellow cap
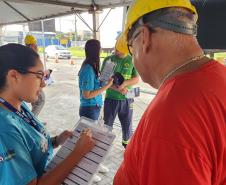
x,y
141,7
30,39
121,45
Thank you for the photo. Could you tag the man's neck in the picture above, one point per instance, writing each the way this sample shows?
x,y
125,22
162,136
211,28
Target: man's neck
x,y
120,55
175,59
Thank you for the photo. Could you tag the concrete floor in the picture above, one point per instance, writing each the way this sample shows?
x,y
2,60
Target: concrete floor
x,y
62,105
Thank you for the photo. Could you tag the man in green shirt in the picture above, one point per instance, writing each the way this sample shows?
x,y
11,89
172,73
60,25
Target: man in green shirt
x,y
115,100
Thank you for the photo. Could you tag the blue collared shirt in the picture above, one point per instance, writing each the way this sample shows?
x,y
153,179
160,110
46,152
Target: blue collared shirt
x,y
89,81
24,151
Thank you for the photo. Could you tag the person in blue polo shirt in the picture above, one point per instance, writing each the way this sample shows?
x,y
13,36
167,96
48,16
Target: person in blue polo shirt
x,y
25,145
89,83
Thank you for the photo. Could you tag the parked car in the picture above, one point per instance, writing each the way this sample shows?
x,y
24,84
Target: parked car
x,y
57,51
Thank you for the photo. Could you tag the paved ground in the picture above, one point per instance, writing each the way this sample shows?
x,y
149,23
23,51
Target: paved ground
x,y
62,105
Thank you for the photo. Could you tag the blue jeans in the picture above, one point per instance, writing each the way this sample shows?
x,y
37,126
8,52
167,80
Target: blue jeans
x,y
91,112
124,110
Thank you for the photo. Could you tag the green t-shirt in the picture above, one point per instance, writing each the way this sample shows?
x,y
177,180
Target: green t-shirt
x,y
125,67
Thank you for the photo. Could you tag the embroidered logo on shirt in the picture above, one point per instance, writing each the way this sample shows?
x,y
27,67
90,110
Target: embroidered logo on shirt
x,y
44,145
126,65
6,156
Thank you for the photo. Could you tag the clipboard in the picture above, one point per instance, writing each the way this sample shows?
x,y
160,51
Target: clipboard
x,y
84,171
107,71
132,93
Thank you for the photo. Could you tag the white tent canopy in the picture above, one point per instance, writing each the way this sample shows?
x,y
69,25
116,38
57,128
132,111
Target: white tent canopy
x,y
19,11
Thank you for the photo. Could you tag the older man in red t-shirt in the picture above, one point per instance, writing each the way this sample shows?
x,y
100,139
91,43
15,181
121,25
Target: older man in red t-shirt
x,y
181,138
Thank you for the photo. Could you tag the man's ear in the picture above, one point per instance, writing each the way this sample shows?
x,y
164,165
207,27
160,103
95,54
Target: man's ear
x,y
146,39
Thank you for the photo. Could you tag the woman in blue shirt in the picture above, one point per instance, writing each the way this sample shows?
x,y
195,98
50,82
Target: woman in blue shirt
x,y
89,83
25,146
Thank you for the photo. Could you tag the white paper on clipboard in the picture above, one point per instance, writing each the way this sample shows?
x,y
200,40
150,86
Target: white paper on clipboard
x,y
107,71
88,166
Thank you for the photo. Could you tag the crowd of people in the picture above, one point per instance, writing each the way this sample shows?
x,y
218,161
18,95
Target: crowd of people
x,y
181,137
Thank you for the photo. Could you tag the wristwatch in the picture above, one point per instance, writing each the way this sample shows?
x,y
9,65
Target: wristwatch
x,y
54,142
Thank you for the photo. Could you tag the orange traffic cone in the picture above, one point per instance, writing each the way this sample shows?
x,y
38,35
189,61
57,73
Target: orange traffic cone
x,y
72,62
56,59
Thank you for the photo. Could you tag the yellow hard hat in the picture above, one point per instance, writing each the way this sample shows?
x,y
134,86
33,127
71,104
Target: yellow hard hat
x,y
121,44
30,39
141,7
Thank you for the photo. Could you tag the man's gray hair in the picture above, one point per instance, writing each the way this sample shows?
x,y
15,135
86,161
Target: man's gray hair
x,y
181,14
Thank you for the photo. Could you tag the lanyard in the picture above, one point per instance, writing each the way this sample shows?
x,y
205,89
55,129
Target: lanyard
x,y
24,114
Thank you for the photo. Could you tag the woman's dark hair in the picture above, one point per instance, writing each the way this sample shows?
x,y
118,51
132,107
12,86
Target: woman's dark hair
x,y
92,51
17,57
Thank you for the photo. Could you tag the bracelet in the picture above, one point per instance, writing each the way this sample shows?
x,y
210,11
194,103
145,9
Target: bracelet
x,y
54,141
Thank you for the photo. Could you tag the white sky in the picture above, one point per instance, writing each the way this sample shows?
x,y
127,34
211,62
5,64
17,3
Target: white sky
x,y
108,30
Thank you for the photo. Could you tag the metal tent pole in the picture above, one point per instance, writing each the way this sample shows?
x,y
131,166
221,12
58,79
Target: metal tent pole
x,y
43,42
96,32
